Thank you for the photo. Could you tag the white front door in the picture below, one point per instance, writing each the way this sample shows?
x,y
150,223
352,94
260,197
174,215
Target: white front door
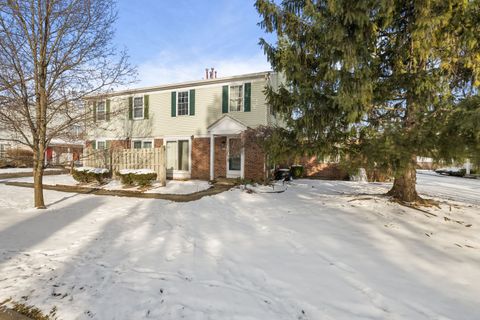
x,y
178,159
235,157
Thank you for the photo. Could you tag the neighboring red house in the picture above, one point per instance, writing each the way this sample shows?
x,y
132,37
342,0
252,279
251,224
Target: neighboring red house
x,y
61,152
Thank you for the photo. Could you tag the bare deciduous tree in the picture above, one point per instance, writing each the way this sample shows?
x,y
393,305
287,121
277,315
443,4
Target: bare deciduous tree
x,y
53,54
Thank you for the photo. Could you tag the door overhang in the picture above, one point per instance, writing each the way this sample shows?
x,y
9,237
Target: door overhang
x,y
226,125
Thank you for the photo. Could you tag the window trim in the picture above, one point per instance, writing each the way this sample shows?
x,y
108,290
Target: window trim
x,y
133,108
96,144
142,141
3,149
104,102
188,103
230,99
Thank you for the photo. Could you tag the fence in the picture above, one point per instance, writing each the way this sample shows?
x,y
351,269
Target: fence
x,y
116,160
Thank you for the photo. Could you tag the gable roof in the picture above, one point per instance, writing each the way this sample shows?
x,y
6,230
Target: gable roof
x,y
187,84
226,125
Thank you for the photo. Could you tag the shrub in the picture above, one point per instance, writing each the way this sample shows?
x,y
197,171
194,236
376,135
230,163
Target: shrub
x,y
87,174
460,173
126,178
297,171
29,311
18,157
139,177
452,171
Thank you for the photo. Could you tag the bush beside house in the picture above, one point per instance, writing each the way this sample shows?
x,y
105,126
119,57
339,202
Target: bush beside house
x,y
18,158
88,174
139,177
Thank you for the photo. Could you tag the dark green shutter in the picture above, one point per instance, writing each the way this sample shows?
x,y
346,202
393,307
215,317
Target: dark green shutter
x,y
130,108
94,111
248,97
192,102
107,110
94,144
174,104
225,99
145,105
108,143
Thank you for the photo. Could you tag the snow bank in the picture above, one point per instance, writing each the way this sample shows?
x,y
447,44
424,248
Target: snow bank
x,y
449,169
172,187
92,170
136,171
276,187
321,250
24,170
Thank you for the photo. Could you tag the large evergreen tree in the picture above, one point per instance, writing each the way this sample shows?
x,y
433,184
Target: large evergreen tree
x,y
373,81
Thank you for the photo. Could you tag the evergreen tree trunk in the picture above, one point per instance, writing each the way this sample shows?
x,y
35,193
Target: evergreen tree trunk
x,y
39,157
404,185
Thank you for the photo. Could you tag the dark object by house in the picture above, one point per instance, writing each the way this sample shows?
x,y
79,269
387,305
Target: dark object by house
x,y
283,174
296,171
452,172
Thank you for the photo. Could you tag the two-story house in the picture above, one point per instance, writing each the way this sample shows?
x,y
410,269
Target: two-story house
x,y
198,122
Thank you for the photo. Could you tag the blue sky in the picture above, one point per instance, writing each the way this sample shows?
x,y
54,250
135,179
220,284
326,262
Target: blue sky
x,y
172,41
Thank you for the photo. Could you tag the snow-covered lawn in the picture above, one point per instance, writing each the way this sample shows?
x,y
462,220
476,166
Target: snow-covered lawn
x,y
23,170
172,187
319,250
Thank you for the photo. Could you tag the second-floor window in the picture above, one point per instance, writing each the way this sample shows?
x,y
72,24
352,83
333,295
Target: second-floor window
x,y
183,103
138,108
101,144
3,150
236,98
101,111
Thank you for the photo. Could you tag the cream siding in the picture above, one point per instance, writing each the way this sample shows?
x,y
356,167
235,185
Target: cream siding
x,y
208,109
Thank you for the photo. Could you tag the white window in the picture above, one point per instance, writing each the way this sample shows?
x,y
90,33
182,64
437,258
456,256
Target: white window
x,y
138,108
178,155
3,150
182,102
142,144
101,144
76,130
236,98
101,111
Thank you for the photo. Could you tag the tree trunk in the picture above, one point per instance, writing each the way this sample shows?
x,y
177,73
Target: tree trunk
x,y
39,156
404,185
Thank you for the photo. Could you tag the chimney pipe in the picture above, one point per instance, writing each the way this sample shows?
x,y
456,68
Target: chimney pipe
x,y
215,74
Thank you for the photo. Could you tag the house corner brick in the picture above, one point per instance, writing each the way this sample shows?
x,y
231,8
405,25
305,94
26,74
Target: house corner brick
x,y
200,158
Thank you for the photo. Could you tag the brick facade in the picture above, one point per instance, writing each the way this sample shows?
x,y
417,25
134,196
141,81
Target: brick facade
x,y
254,163
157,143
120,144
201,158
220,163
317,169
